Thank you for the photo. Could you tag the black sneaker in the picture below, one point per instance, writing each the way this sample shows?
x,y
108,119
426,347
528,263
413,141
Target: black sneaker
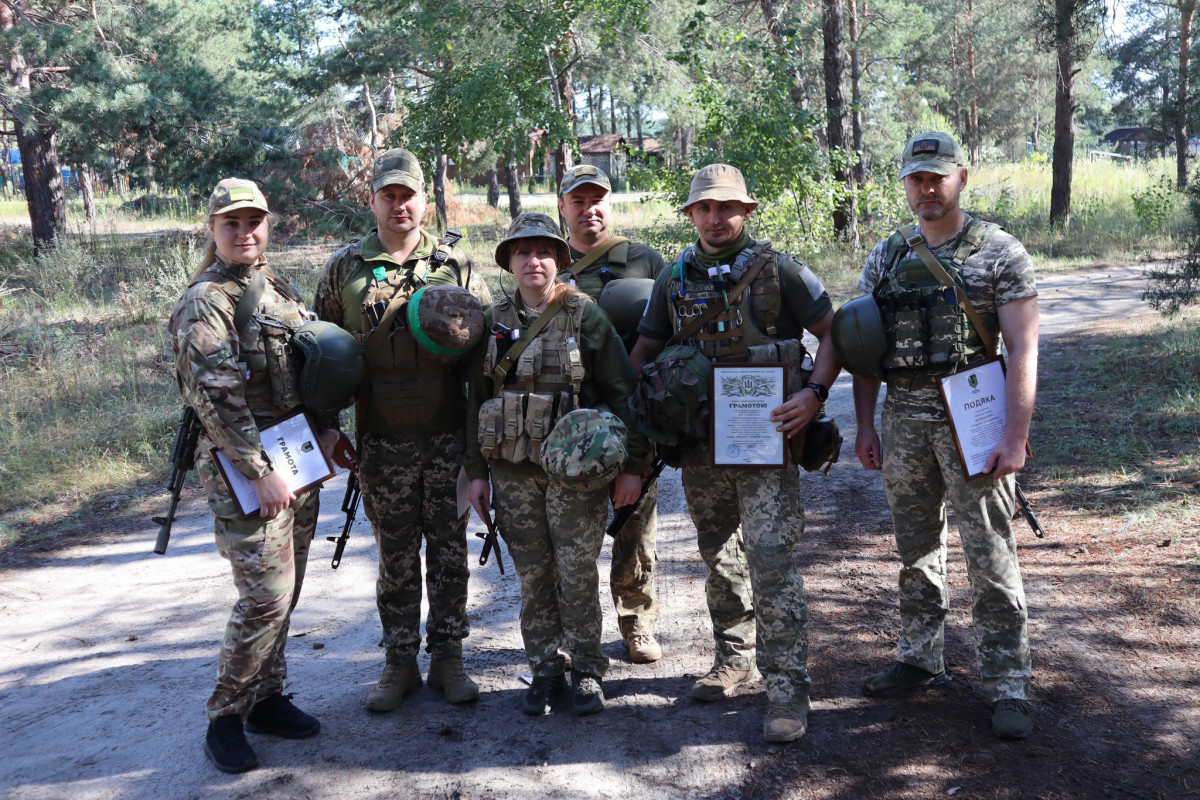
x,y
900,677
543,694
1011,719
226,746
589,695
277,716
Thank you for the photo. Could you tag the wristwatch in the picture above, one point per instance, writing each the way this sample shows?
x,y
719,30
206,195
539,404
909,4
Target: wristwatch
x,y
821,391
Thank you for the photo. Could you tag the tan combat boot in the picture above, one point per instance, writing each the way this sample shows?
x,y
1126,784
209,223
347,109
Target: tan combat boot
x,y
447,675
396,681
786,722
721,681
643,648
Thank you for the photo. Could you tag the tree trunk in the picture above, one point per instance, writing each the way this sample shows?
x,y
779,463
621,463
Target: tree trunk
x,y
592,110
43,182
373,119
1037,124
1186,9
845,214
439,192
855,93
974,141
1064,116
612,111
513,182
564,156
493,192
771,15
87,188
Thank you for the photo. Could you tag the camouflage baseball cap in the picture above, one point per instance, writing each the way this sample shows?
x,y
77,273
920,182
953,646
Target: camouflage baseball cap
x,y
234,193
586,449
445,320
931,152
584,173
719,182
397,166
532,225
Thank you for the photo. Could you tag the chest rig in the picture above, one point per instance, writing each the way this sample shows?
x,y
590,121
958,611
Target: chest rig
x,y
927,327
543,384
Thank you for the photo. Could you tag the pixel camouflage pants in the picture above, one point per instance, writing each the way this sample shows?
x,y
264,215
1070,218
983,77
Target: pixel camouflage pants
x,y
771,612
631,577
268,559
410,496
554,535
920,467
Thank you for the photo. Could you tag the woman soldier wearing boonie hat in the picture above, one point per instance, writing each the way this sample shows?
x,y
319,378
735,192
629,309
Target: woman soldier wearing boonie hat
x,y
234,371
539,387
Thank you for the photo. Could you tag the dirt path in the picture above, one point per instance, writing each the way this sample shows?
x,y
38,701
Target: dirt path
x,y
109,651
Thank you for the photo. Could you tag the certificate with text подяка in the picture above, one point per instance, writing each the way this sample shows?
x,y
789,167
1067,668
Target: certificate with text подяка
x,y
976,405
294,452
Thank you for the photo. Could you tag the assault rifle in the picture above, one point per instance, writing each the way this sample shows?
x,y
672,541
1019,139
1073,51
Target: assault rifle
x,y
350,508
1027,510
490,540
183,458
622,515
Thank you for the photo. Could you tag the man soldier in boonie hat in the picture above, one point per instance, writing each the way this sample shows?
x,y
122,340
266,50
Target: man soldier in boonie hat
x,y
916,450
766,323
411,426
600,259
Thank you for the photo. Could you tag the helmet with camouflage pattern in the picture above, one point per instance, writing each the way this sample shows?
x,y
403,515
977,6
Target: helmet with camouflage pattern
x,y
586,449
531,225
672,397
332,368
445,320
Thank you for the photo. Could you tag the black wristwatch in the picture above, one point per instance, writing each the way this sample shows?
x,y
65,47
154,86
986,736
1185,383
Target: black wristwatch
x,y
822,392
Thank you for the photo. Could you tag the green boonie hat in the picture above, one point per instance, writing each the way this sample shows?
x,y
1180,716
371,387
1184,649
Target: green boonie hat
x,y
586,449
234,193
672,397
584,173
531,225
445,320
397,166
719,182
931,152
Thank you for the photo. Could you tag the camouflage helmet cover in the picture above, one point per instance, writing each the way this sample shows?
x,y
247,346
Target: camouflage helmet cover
x,y
533,225
445,320
332,368
586,449
672,397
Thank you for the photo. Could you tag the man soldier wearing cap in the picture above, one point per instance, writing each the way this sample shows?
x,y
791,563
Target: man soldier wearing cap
x,y
599,258
917,453
410,420
762,301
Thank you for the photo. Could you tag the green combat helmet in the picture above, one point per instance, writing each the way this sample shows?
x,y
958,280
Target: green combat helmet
x,y
445,320
332,368
624,301
859,337
672,397
586,449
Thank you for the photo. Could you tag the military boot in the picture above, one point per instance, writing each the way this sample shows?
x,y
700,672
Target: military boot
x,y
589,694
643,648
226,746
277,716
786,722
721,681
397,680
543,694
900,677
1011,719
448,676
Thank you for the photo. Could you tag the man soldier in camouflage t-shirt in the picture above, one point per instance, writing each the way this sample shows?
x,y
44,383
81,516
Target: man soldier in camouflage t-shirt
x,y
598,258
916,450
410,420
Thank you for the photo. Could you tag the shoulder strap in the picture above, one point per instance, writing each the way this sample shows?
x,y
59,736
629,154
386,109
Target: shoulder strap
x,y
619,255
597,251
249,301
917,243
689,330
500,371
973,239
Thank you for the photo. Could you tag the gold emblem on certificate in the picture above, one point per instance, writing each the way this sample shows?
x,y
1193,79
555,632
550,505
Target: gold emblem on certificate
x,y
743,397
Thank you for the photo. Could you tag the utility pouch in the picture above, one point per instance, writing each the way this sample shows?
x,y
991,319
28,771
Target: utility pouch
x,y
911,333
491,427
407,400
491,356
818,445
787,351
282,370
947,333
514,447
539,421
529,363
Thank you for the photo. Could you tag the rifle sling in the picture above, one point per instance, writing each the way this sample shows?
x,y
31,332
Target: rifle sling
x,y
917,243
500,371
597,251
689,330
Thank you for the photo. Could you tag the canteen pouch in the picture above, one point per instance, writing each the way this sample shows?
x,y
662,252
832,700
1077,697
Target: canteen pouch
x,y
491,427
539,421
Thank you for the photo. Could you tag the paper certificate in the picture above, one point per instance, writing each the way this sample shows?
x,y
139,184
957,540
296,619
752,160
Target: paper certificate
x,y
743,397
976,404
294,452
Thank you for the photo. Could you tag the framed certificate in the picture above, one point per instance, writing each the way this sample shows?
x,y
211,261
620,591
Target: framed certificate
x,y
976,403
295,453
743,397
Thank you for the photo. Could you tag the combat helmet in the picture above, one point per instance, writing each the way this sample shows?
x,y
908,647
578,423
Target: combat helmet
x,y
447,321
672,397
859,337
586,449
624,300
332,367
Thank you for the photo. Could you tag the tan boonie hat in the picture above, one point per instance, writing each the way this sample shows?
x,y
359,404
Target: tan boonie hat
x,y
532,225
719,182
445,320
397,166
931,152
234,193
584,173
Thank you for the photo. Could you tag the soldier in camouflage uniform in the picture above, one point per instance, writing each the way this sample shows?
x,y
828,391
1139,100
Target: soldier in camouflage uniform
x,y
237,382
597,258
552,350
755,595
410,422
917,452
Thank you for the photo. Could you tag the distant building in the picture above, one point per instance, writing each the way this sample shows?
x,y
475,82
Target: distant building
x,y
1137,141
613,153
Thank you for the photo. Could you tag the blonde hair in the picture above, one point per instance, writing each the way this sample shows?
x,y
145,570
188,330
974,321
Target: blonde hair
x,y
562,291
209,256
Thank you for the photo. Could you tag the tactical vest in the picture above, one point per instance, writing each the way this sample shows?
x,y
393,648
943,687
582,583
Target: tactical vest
x,y
402,382
594,281
265,359
926,326
543,385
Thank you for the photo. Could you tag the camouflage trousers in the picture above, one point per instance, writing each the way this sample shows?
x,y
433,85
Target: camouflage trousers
x,y
755,594
632,574
268,558
554,535
920,468
410,496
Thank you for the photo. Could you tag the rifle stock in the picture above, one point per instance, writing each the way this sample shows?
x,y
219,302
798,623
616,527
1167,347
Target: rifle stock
x,y
183,458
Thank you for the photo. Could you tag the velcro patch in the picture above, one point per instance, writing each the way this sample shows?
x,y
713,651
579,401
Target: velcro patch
x,y
925,147
239,193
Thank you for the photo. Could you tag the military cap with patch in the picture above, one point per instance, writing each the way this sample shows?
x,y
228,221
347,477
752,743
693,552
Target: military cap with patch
x,y
719,182
532,225
234,193
445,320
397,166
931,152
584,173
